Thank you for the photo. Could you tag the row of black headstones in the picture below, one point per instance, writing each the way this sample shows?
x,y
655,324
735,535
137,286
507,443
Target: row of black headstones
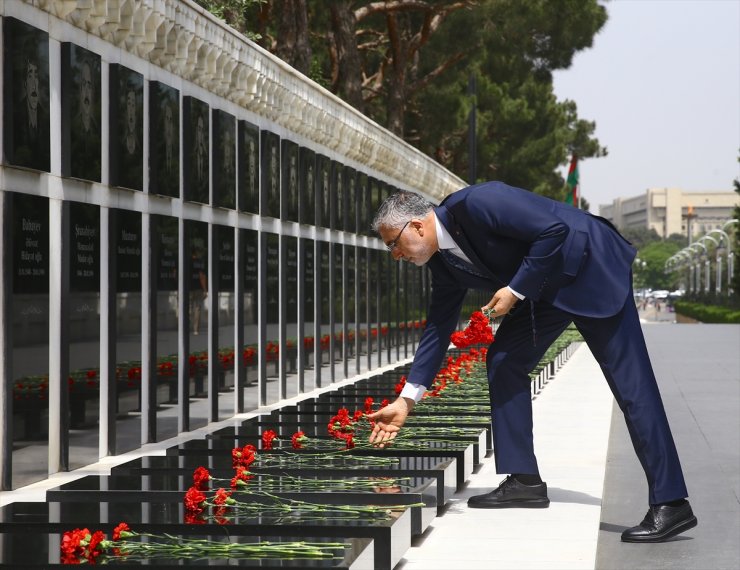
x,y
147,493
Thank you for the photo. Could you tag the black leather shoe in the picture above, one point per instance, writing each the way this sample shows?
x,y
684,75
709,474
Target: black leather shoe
x,y
511,493
661,523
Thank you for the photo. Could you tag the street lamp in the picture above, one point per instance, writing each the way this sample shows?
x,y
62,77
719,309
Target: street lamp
x,y
697,264
708,263
730,257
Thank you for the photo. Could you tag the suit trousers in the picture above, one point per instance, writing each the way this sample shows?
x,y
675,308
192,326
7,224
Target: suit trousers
x,y
618,345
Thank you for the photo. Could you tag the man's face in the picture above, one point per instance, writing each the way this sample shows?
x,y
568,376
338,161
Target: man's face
x,y
417,242
32,85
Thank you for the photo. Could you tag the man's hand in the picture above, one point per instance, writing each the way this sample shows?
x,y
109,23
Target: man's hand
x,y
502,302
390,420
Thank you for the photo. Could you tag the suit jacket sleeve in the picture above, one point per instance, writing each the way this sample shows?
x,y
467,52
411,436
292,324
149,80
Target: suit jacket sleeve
x,y
442,318
518,215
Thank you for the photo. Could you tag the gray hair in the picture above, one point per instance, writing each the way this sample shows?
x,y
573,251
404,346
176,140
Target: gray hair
x,y
400,208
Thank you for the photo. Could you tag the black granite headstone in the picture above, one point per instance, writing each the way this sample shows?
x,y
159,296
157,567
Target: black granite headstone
x,y
289,181
26,95
270,168
224,159
164,140
126,127
307,183
249,164
196,155
81,142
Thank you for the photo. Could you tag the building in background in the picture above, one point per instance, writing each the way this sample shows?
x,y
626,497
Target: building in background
x,y
669,210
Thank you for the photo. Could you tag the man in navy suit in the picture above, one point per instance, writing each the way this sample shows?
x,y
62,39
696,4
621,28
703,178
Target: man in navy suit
x,y
549,264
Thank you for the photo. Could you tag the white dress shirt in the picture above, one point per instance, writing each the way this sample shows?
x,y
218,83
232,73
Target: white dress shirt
x,y
445,241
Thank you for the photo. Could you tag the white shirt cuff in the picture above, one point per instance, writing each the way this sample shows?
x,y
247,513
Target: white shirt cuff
x,y
413,391
517,295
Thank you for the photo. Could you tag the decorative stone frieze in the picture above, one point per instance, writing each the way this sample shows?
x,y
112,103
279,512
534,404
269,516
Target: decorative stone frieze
x,y
181,37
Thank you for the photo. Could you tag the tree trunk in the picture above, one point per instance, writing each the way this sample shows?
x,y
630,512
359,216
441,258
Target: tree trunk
x,y
396,104
349,79
293,46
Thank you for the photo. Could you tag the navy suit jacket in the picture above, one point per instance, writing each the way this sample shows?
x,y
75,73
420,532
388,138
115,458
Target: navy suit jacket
x,y
545,250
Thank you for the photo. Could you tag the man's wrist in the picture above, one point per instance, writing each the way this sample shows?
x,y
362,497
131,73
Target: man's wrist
x,y
408,402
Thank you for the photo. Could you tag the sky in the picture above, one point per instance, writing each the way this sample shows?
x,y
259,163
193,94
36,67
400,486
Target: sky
x,y
662,83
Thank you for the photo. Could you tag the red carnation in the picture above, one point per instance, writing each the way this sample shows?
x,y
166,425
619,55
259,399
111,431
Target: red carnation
x,y
201,476
121,528
72,548
298,439
194,500
267,439
241,477
401,383
222,498
369,404
244,456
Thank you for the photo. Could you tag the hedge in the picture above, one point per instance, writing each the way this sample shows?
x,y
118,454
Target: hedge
x,y
707,313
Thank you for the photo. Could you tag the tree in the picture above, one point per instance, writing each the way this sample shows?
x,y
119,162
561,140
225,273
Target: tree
x,y
524,133
406,64
293,45
640,237
653,275
234,13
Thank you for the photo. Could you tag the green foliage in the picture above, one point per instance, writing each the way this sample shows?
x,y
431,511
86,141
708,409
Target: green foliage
x,y
640,237
234,13
707,313
524,134
679,239
428,49
653,274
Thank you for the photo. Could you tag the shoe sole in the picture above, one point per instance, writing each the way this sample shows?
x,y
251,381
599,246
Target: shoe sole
x,y
523,504
683,526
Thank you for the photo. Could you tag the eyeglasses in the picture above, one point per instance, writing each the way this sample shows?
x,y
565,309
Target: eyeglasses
x,y
392,245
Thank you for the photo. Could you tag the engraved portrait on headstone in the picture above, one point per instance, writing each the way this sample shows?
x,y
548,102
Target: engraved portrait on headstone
x,y
293,185
350,182
322,191
126,127
26,95
274,163
337,193
224,159
289,177
200,149
195,152
326,212
81,148
164,140
306,186
270,165
248,172
169,139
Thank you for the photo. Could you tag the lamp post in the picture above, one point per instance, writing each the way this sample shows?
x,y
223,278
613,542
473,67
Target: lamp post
x,y
719,252
697,264
730,257
708,263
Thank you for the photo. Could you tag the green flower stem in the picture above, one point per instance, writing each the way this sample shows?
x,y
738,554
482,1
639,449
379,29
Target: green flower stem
x,y
169,546
284,481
